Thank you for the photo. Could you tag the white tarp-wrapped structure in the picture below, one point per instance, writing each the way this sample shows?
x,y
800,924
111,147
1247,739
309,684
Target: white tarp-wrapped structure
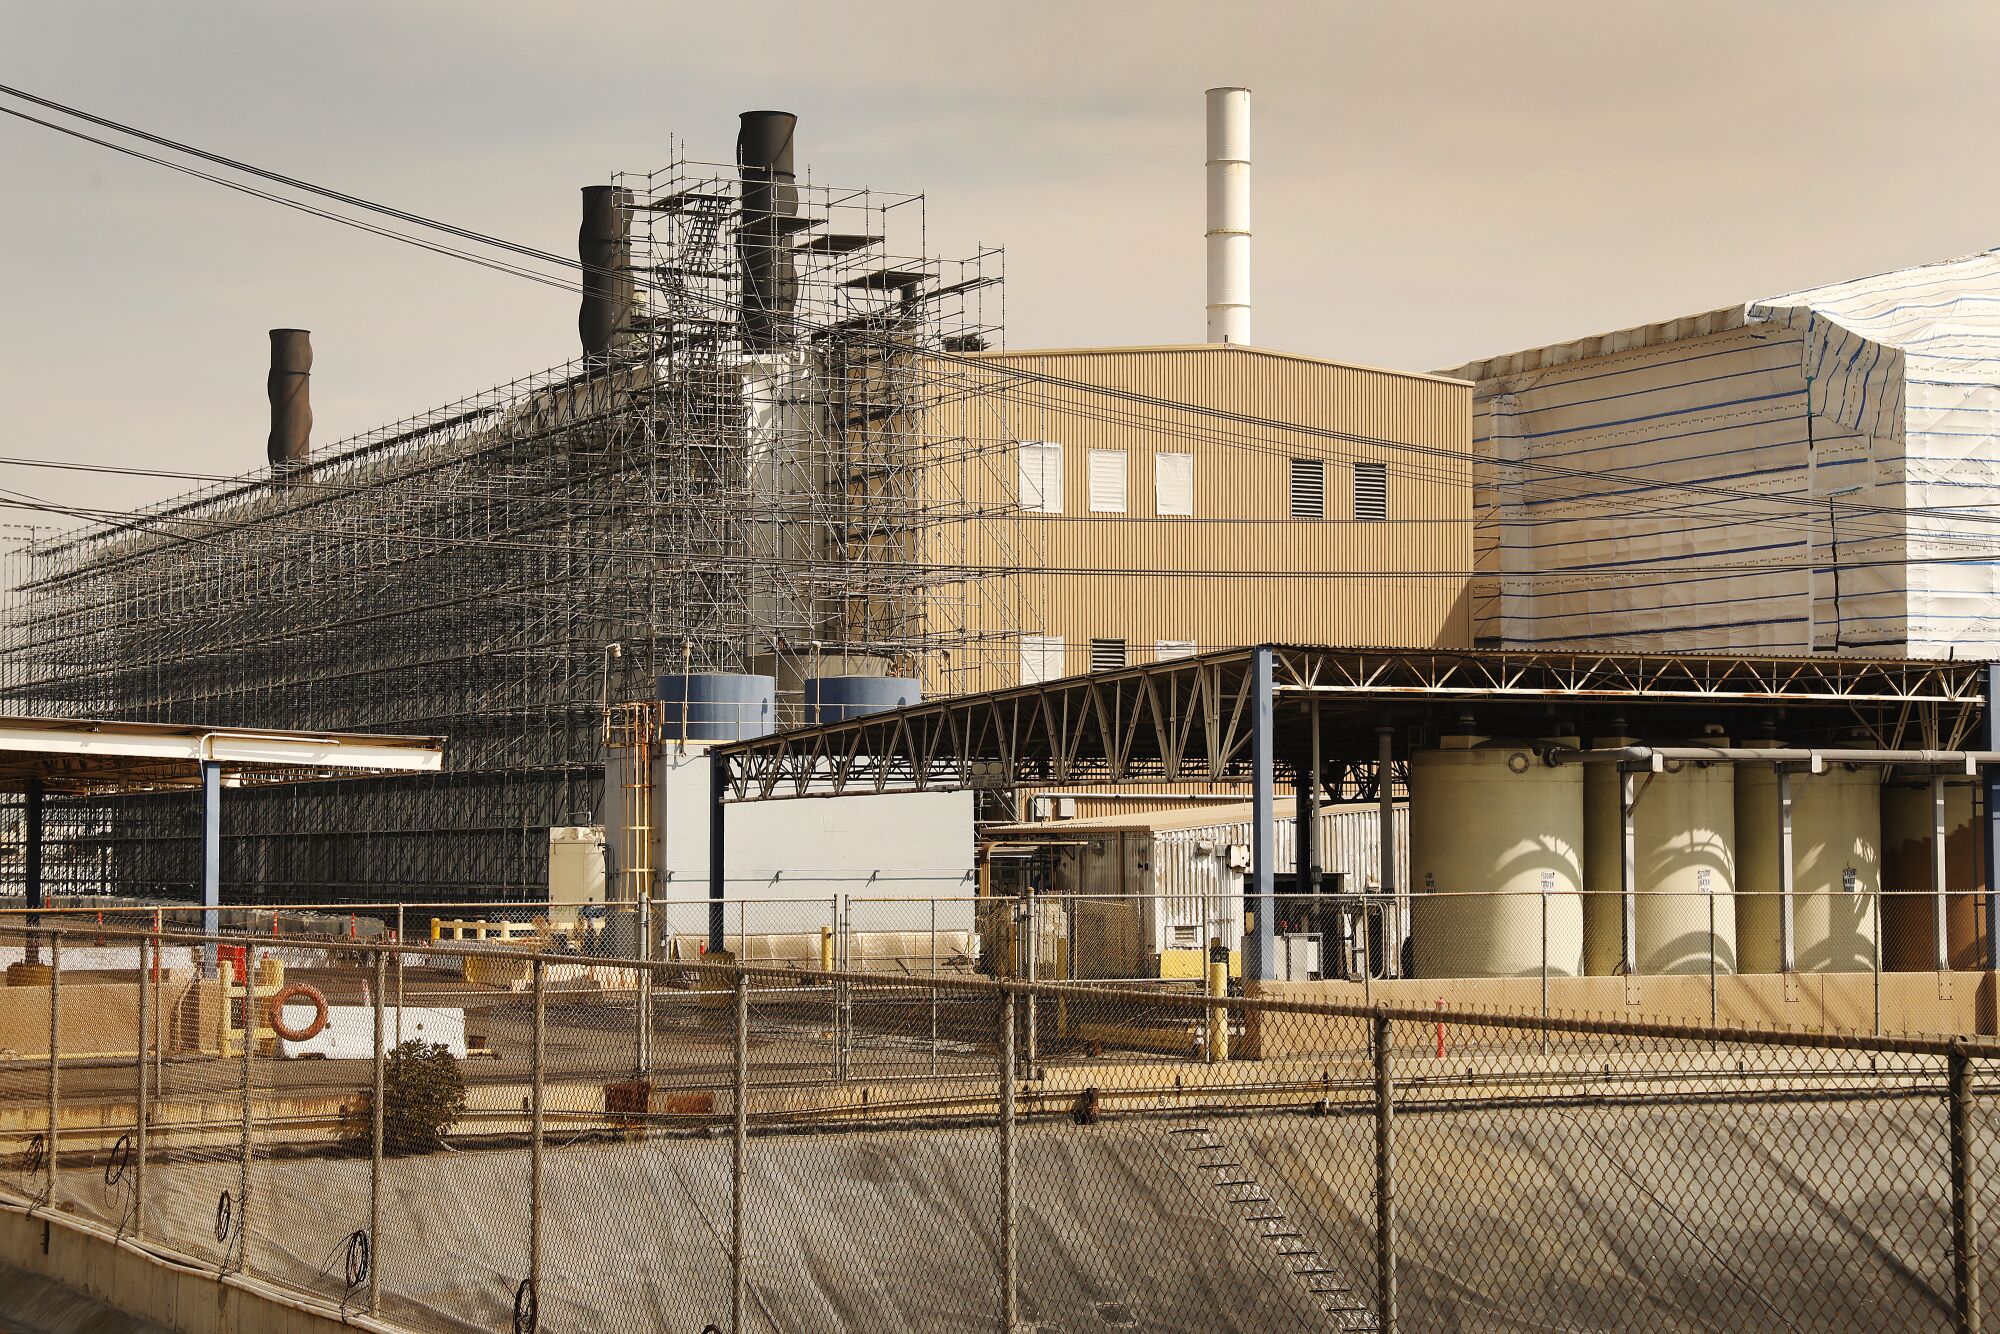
x,y
1815,472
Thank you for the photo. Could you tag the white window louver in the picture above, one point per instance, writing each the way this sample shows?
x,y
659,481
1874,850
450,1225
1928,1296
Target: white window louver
x,y
1166,650
1107,655
1041,658
1107,481
1371,492
1041,477
1308,489
1173,485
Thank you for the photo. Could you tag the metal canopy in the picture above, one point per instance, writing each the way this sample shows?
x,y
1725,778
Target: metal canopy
x,y
1191,719
78,756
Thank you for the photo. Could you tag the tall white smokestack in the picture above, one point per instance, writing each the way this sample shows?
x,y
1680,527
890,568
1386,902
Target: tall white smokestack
x,y
1229,215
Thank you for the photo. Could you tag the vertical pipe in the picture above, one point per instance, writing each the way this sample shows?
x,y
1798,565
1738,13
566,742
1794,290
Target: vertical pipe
x,y
1315,766
1218,1010
1989,776
1033,970
211,860
1385,1181
1260,944
1009,1294
769,197
140,1109
604,250
739,1170
718,774
55,1060
1943,944
1964,1219
539,1058
1787,951
31,871
1628,876
1385,856
1228,235
377,1111
1304,808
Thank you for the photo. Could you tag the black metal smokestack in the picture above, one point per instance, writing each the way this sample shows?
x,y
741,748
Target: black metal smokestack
x,y
290,389
604,245
770,201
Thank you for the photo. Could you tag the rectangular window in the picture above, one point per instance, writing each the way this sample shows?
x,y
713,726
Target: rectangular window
x,y
1308,489
1166,650
1041,477
1107,655
1371,491
1107,481
1173,486
1041,658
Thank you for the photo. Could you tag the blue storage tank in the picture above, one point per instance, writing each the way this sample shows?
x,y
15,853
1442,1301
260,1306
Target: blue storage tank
x,y
832,699
717,706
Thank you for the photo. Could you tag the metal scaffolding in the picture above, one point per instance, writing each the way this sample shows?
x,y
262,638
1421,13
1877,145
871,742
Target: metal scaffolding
x,y
736,480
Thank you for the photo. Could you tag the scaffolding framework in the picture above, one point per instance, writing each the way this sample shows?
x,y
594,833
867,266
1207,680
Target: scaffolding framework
x,y
703,500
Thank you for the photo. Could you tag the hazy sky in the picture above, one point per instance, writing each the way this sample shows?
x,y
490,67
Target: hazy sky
x,y
1434,181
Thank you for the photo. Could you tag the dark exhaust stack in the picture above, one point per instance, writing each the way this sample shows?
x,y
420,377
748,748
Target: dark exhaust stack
x,y
604,245
770,201
290,389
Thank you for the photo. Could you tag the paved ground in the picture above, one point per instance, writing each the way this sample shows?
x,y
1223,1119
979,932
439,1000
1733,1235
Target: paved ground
x,y
30,1304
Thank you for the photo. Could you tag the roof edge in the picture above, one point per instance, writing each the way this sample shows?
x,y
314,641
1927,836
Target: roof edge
x,y
1009,354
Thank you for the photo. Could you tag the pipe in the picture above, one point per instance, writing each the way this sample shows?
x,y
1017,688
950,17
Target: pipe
x,y
770,196
604,246
289,387
1228,215
1969,761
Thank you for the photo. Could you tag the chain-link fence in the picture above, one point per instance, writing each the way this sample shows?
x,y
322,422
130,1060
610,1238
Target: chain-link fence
x,y
510,1134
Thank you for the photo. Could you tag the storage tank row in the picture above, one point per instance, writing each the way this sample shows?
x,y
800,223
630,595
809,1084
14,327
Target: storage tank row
x,y
1514,861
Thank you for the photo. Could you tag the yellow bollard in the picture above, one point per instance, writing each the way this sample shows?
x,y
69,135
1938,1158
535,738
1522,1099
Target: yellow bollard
x,y
1218,1015
826,949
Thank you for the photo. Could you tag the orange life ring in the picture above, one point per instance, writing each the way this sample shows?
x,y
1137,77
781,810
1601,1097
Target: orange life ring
x,y
287,993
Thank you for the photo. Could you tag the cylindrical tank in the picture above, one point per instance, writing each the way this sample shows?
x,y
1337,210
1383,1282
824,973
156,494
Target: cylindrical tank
x,y
1684,846
1909,921
717,706
1836,869
1505,831
832,699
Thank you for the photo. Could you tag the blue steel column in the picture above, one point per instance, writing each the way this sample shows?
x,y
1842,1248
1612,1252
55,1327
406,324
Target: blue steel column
x,y
1260,942
1990,781
718,783
211,856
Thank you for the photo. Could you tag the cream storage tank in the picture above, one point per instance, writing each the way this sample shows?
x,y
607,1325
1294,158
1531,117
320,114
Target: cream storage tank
x,y
1496,861
1684,851
1836,868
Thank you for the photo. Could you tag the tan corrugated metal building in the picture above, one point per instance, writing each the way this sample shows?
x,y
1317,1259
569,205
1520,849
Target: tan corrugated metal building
x,y
1142,529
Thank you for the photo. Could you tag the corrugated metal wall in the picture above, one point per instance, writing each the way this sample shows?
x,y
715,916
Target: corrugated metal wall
x,y
1240,571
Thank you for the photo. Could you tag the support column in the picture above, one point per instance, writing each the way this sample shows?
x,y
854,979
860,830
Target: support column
x,y
211,859
1385,875
1942,944
1259,942
1787,944
31,871
1628,878
718,784
1989,780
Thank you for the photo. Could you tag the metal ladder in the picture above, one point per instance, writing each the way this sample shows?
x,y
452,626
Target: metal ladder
x,y
1326,1284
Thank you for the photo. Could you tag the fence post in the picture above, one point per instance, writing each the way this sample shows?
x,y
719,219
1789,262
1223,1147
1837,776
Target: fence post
x,y
401,939
1008,1293
139,1108
739,1169
539,1058
55,1063
250,962
1385,1181
1964,1223
934,986
375,1149
643,992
